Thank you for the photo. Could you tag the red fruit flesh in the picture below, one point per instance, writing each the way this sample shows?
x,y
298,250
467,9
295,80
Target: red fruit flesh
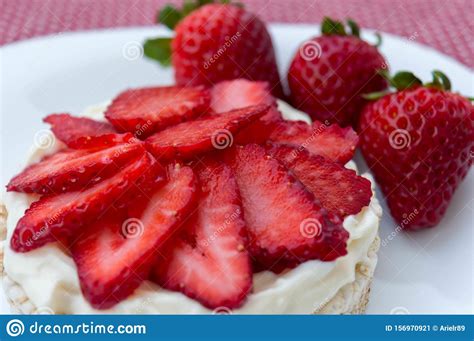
x,y
57,217
115,254
72,170
330,141
418,142
210,263
339,190
241,93
213,44
190,138
328,84
81,132
147,110
284,221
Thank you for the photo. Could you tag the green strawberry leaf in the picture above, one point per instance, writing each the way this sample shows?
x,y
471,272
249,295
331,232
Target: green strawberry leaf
x,y
158,49
373,96
355,30
189,6
330,26
404,80
378,42
169,16
440,81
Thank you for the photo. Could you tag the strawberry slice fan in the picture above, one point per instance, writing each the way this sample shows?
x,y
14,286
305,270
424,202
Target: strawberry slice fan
x,y
217,187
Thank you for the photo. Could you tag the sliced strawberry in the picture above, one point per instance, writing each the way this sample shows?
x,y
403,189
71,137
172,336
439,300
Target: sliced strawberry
x,y
72,170
190,138
147,110
241,93
331,141
56,217
81,132
115,254
210,264
284,221
339,190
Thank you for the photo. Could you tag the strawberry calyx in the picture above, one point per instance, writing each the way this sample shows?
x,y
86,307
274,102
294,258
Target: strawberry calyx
x,y
330,26
159,48
404,80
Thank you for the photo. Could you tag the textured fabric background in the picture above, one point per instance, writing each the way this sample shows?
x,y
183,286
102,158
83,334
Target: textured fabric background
x,y
446,25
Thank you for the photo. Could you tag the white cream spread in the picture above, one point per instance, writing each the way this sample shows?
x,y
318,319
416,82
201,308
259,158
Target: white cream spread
x,y
49,278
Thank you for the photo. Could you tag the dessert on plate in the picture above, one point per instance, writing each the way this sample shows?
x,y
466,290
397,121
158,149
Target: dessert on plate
x,y
191,200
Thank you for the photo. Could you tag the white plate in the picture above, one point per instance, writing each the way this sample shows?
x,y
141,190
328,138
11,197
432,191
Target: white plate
x,y
424,272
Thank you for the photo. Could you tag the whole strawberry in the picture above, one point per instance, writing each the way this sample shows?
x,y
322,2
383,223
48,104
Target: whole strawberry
x,y
216,42
329,73
418,142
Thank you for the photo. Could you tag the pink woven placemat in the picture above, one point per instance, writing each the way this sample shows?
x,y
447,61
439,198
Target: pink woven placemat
x,y
442,24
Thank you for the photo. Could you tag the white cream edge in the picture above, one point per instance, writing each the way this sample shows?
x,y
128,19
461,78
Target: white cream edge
x,y
49,279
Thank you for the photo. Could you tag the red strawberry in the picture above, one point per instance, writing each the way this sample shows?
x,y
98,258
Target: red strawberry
x,y
81,132
56,217
329,74
339,190
147,110
115,254
190,138
214,43
331,141
210,263
284,221
241,93
417,142
72,170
